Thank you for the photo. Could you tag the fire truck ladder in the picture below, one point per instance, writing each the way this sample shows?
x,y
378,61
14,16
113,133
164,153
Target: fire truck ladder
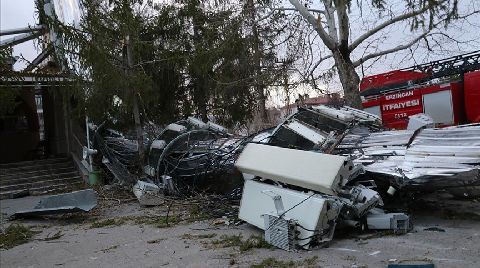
x,y
455,65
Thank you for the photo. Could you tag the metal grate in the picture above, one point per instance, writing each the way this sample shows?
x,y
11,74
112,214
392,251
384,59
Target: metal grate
x,y
399,223
280,232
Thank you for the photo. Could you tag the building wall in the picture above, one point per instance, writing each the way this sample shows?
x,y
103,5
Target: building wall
x,y
19,130
54,122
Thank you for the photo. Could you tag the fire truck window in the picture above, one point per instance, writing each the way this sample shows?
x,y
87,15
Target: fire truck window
x,y
439,106
374,110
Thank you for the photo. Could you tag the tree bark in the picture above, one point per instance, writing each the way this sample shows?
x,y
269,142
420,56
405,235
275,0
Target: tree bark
x,y
348,78
259,87
139,130
202,99
262,108
200,86
136,111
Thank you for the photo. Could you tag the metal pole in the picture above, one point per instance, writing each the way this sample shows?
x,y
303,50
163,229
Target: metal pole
x,y
22,30
19,39
88,143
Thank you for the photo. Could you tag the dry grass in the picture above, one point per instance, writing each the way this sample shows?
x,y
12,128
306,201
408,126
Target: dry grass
x,y
226,241
15,235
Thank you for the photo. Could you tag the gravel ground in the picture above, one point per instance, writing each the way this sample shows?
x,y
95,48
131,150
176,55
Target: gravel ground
x,y
137,244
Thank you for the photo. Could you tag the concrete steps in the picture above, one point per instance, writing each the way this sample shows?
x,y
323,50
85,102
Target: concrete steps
x,y
38,177
32,166
36,173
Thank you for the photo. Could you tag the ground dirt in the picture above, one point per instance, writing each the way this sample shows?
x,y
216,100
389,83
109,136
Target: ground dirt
x,y
132,239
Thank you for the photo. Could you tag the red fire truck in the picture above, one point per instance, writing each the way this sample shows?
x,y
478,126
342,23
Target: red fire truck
x,y
448,90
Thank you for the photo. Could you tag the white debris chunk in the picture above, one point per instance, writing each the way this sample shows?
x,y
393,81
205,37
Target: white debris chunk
x,y
148,194
314,171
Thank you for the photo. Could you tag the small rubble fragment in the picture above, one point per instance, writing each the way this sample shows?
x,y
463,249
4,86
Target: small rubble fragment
x,y
399,223
148,194
434,229
418,121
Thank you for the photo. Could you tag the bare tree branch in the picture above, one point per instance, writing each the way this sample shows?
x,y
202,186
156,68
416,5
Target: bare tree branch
x,y
327,40
343,25
468,14
286,9
318,63
330,16
391,50
294,9
385,24
405,46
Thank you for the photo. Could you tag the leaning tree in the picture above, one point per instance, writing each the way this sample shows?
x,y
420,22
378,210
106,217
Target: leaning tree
x,y
333,24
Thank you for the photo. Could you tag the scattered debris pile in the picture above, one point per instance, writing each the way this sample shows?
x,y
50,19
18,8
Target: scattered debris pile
x,y
321,128
335,159
298,197
321,168
424,159
190,155
433,159
119,154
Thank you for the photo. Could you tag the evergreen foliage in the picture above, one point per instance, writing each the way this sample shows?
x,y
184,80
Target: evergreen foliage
x,y
190,57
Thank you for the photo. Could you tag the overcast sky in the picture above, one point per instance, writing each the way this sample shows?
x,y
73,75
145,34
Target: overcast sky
x,y
22,13
18,14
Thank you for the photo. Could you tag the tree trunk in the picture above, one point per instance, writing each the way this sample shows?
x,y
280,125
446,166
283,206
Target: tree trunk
x,y
259,87
200,86
139,130
349,78
202,100
136,111
262,109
